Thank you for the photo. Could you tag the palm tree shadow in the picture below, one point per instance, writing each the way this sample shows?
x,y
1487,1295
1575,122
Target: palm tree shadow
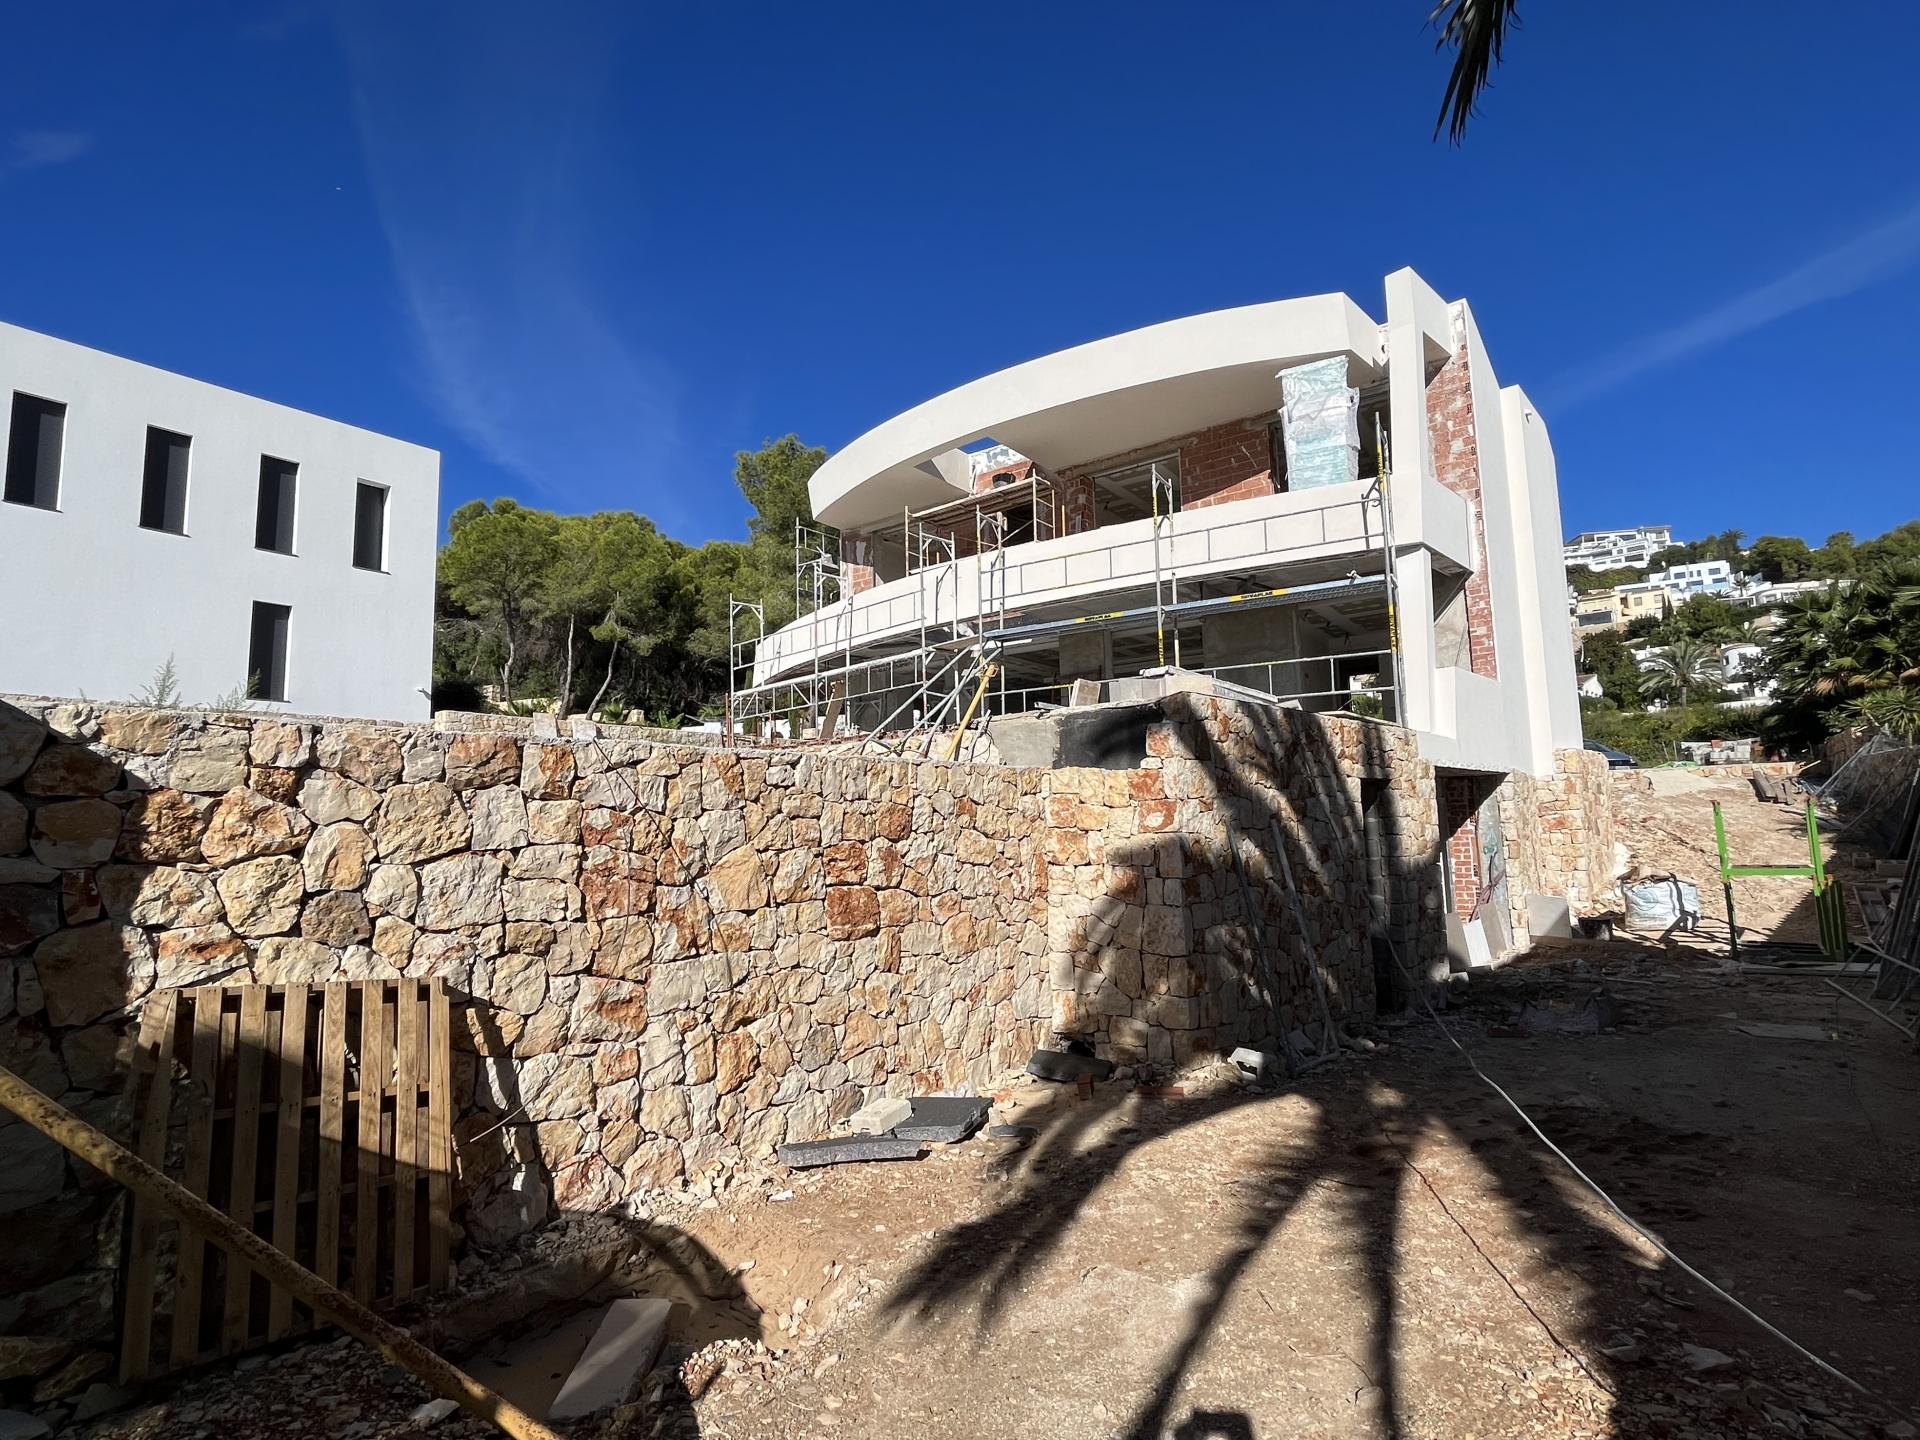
x,y
1359,1143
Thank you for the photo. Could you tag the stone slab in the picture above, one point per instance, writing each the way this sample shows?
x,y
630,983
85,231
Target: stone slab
x,y
943,1119
1066,1066
622,1350
877,1117
808,1154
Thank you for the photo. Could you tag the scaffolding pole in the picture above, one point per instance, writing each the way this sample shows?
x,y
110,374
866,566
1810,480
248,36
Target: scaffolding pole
x,y
1389,570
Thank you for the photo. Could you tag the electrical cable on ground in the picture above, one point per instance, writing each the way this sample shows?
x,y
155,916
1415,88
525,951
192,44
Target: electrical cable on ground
x,y
1639,1229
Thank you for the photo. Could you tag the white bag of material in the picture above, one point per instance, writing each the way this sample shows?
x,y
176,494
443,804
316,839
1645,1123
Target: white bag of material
x,y
1664,902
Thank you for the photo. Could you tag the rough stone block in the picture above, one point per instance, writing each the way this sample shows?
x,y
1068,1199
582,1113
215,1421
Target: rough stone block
x,y
1063,1065
622,1350
877,1117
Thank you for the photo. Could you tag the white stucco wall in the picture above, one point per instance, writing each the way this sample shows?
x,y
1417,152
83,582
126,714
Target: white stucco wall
x,y
95,603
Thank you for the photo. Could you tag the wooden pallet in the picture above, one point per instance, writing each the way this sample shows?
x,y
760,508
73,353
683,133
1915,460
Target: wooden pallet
x,y
320,1117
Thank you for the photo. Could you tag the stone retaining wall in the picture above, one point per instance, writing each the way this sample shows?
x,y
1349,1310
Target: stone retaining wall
x,y
1560,834
666,957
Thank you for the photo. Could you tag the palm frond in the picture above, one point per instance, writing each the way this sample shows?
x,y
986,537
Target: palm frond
x,y
1477,31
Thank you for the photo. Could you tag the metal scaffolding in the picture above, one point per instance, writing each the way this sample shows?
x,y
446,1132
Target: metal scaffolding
x,y
961,645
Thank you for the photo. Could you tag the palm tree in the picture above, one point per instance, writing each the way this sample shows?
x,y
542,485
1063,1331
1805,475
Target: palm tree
x,y
1477,31
1681,668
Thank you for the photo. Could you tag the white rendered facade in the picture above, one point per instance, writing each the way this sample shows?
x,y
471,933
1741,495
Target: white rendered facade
x,y
1485,652
148,537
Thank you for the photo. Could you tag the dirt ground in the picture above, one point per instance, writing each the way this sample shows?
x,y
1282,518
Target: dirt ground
x,y
1380,1248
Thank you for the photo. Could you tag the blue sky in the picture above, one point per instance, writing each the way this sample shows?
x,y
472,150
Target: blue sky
x,y
589,251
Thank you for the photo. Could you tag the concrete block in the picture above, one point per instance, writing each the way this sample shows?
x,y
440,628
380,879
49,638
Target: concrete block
x,y
622,1350
877,1117
943,1119
1258,1062
807,1154
1549,917
1063,1065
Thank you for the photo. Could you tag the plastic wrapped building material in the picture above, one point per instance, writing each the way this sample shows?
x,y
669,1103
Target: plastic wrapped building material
x,y
1663,902
1320,419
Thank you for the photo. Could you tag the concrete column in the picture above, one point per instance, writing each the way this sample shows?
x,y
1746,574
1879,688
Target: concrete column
x,y
1086,655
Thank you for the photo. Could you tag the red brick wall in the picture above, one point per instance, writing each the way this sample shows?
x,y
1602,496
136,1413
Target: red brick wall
x,y
1461,797
1076,504
1456,464
1233,461
856,562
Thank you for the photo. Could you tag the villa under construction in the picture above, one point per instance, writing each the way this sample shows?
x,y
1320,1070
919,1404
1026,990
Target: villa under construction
x,y
1292,498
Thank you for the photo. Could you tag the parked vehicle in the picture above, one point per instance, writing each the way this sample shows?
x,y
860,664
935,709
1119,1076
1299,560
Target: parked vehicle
x,y
1616,759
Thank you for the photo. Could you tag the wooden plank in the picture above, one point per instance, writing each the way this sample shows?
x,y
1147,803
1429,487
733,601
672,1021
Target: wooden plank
x,y
153,1062
249,1060
374,1078
439,1133
184,1344
406,1132
286,1155
333,1087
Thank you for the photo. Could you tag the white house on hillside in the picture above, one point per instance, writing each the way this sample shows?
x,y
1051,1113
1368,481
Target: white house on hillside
x,y
148,517
1204,493
1631,548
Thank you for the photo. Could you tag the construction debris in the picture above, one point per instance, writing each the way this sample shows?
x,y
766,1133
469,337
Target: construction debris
x,y
621,1352
943,1119
847,1150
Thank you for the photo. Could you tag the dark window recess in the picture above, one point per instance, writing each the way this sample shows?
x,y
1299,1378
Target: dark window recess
x,y
34,436
273,521
370,527
163,484
1277,450
267,652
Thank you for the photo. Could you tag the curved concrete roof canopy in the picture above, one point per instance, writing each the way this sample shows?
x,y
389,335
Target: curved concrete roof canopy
x,y
1106,397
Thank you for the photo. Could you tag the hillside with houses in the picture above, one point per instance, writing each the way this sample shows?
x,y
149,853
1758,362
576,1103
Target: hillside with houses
x,y
1716,648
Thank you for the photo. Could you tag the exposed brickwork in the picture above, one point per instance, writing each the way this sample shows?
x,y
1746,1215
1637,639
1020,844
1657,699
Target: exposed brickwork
x,y
856,561
989,480
1233,461
1456,464
1462,829
1076,504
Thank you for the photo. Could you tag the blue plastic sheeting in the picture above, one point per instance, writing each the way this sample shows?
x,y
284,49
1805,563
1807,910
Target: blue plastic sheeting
x,y
1320,419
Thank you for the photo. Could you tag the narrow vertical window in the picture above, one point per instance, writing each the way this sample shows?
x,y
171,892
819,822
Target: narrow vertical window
x,y
273,520
163,483
370,527
267,652
35,433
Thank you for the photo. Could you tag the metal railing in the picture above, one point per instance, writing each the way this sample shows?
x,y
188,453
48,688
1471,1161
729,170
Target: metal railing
x,y
1342,679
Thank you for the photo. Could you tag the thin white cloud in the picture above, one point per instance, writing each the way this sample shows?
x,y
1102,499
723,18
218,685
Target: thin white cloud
x,y
1847,268
38,149
482,167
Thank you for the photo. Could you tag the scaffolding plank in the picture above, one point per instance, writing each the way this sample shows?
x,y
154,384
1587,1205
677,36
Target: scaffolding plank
x,y
291,1118
249,1064
329,1158
439,1133
184,1343
375,1076
406,1131
153,1069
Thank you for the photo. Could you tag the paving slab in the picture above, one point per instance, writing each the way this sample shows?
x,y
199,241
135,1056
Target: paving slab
x,y
622,1350
943,1119
807,1154
1067,1066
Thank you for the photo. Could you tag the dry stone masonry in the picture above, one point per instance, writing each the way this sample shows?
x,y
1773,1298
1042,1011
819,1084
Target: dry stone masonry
x,y
667,956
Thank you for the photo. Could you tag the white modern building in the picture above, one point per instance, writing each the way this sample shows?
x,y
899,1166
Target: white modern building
x,y
1704,577
147,517
1631,548
1204,493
